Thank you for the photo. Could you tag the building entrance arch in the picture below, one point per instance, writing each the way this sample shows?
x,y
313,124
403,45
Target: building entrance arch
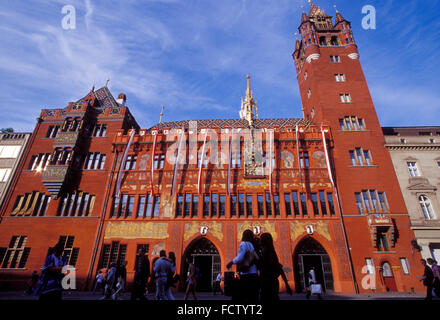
x,y
310,253
206,258
388,277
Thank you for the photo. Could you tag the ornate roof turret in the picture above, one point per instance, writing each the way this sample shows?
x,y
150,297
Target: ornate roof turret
x,y
248,109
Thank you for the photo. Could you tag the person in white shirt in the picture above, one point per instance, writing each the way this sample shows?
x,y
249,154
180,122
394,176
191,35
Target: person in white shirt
x,y
312,280
217,285
99,282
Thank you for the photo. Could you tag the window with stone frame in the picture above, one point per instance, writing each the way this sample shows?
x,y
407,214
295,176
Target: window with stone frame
x,y
16,254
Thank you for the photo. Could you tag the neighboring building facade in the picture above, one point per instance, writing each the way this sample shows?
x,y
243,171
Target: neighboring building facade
x,y
171,187
12,146
415,152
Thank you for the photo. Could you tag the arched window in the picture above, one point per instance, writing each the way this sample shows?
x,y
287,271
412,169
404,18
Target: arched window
x,y
426,206
334,41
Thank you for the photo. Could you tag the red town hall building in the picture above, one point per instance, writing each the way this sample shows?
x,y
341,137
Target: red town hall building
x,y
93,179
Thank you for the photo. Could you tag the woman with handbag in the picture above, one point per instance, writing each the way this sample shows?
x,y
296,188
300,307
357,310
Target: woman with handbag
x,y
246,261
270,270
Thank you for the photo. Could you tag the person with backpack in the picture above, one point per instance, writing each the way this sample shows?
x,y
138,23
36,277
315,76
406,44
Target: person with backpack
x,y
270,271
246,261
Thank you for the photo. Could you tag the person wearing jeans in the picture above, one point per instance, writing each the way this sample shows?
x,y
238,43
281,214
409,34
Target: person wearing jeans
x,y
162,269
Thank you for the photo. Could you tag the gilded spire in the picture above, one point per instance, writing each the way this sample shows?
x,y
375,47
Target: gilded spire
x,y
161,114
248,105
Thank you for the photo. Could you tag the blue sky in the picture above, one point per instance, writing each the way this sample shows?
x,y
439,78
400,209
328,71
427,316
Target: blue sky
x,y
192,56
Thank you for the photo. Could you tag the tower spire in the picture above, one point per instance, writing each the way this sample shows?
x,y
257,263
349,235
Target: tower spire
x,y
248,109
161,114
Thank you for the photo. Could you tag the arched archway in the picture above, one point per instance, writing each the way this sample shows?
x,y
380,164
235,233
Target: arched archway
x,y
205,256
388,276
308,253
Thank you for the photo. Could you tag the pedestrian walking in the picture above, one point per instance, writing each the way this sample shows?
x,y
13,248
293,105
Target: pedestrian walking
x,y
436,273
162,270
49,286
99,282
314,287
270,271
121,280
428,279
191,281
111,279
32,283
217,284
141,275
246,261
173,278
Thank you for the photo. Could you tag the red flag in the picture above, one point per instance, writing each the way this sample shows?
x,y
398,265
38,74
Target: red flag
x,y
121,167
270,159
176,163
327,160
201,163
152,162
297,151
229,161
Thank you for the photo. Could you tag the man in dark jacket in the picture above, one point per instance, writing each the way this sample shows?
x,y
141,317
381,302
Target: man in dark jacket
x,y
141,275
428,280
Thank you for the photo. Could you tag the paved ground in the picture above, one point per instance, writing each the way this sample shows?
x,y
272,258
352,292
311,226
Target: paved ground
x,y
87,295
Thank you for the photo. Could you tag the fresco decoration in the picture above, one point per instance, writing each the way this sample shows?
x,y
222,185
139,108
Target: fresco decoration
x,y
193,228
319,157
157,248
136,230
167,203
142,167
265,226
320,227
288,159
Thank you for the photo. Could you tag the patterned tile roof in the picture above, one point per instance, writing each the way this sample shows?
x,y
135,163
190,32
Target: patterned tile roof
x,y
235,123
104,97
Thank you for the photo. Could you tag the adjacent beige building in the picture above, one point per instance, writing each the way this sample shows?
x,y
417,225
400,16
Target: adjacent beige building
x,y
12,146
415,152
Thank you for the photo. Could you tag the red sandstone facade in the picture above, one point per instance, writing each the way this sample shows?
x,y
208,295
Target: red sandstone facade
x,y
334,92
106,207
